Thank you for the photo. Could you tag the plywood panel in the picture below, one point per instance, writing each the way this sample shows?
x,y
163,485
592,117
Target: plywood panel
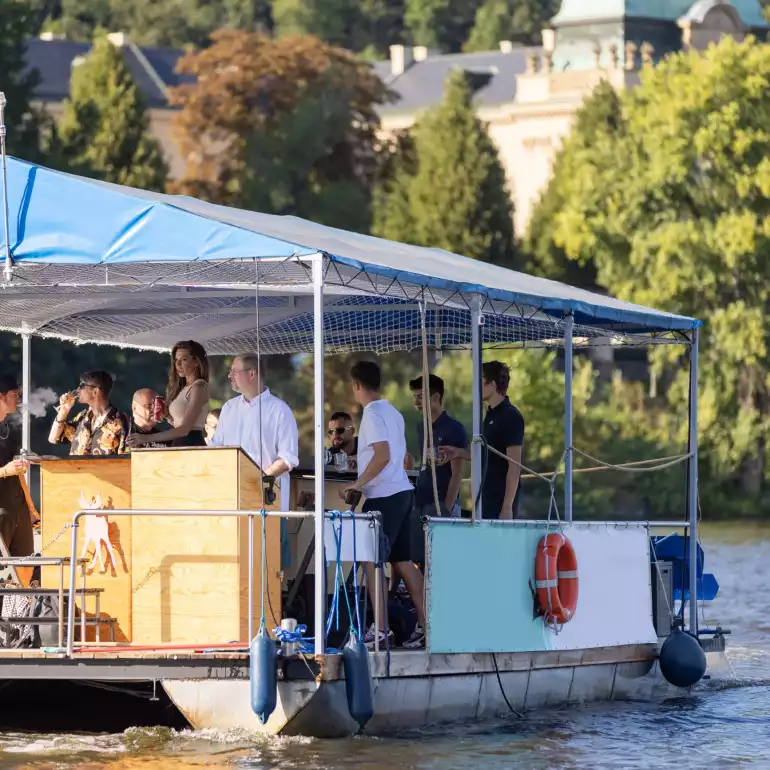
x,y
250,498
191,573
62,482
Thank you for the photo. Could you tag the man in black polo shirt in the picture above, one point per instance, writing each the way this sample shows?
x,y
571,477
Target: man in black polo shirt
x,y
503,431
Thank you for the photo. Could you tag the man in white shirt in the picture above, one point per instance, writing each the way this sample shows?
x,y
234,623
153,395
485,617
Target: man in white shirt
x,y
263,426
383,480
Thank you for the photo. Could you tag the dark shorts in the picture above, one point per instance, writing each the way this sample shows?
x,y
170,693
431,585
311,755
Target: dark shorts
x,y
396,513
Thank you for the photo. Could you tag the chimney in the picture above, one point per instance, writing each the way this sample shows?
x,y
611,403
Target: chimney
x,y
506,46
421,52
118,39
49,36
401,57
549,40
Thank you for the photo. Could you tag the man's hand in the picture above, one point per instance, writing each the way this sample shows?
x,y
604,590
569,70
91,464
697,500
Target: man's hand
x,y
66,402
135,440
14,468
449,453
350,488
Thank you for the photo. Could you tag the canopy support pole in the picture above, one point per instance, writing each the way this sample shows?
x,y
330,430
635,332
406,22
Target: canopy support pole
x,y
26,385
568,455
477,321
693,483
318,421
8,271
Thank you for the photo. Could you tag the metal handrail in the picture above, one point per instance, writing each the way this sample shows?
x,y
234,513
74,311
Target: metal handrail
x,y
554,523
371,516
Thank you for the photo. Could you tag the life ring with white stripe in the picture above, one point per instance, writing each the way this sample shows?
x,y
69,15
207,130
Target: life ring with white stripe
x,y
556,578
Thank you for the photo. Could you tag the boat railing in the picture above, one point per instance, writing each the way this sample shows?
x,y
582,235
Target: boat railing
x,y
251,515
555,523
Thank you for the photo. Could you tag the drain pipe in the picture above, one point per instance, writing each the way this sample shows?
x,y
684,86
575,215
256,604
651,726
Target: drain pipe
x,y
8,271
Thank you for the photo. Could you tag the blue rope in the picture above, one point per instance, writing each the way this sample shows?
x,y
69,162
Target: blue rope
x,y
357,630
264,568
339,579
305,644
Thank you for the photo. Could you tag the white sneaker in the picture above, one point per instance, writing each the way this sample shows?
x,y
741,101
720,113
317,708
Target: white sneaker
x,y
417,640
386,638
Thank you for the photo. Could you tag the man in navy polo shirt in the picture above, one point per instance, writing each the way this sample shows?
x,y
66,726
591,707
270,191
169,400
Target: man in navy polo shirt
x,y
446,432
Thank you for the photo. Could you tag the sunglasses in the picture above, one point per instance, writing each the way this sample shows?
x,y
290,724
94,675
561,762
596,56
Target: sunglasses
x,y
338,431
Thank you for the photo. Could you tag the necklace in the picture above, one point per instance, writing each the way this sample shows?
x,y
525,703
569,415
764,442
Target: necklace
x,y
5,435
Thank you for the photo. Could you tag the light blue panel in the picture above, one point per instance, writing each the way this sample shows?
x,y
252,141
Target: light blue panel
x,y
478,588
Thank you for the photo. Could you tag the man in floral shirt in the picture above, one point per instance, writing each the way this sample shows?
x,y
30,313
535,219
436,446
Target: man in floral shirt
x,y
100,429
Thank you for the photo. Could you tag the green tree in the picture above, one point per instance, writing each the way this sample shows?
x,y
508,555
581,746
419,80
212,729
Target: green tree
x,y
285,125
521,21
172,23
598,118
674,209
452,194
18,22
104,130
440,24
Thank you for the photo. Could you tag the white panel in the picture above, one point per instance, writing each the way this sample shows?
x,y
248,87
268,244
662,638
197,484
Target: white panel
x,y
341,530
615,601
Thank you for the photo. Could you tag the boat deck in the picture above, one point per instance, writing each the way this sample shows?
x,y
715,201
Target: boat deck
x,y
103,664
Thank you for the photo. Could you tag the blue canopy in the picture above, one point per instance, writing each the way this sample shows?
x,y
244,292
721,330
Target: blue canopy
x,y
84,245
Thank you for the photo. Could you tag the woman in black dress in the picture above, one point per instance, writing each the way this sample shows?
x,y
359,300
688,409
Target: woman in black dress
x,y
15,517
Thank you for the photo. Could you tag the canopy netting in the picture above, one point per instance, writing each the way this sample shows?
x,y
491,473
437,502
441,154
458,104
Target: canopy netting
x,y
152,305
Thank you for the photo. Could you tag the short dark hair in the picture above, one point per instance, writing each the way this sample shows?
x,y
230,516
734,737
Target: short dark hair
x,y
498,373
341,416
100,379
367,375
8,383
435,385
214,413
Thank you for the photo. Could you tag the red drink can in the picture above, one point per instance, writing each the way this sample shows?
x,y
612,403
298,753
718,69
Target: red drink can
x,y
158,408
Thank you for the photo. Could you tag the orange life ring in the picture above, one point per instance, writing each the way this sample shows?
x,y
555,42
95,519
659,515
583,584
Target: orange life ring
x,y
556,578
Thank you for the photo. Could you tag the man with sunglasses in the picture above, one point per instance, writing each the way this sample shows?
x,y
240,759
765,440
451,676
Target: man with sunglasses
x,y
342,434
100,429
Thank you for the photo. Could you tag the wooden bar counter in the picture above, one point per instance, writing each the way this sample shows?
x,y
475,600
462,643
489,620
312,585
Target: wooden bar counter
x,y
191,573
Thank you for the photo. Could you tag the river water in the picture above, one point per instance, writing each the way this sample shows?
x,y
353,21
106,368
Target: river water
x,y
725,723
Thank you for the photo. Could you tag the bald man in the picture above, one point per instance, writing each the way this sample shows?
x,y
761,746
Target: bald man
x,y
142,421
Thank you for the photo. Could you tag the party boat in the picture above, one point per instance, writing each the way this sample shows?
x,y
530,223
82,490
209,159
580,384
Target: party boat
x,y
521,614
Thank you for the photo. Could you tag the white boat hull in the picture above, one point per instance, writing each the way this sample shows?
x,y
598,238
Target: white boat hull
x,y
408,698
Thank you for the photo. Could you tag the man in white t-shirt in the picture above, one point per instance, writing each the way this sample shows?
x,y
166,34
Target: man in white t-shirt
x,y
383,480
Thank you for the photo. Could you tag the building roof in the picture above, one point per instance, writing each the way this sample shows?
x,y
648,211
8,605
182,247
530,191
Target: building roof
x,y
54,59
421,86
574,11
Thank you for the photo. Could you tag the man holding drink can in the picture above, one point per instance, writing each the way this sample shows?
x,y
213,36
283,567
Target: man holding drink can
x,y
147,410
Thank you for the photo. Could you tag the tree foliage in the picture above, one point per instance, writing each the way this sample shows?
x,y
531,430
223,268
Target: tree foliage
x,y
440,24
449,191
673,207
520,21
25,123
599,117
283,125
104,129
171,23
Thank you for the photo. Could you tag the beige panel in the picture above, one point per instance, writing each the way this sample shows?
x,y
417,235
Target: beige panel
x,y
62,483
